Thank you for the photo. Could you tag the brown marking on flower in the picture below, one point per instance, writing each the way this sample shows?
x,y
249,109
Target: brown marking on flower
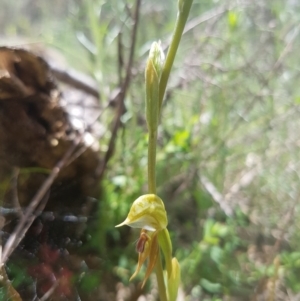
x,y
143,239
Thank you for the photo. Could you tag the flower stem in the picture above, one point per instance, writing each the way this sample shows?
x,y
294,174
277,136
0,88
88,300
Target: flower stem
x,y
160,280
184,7
152,161
183,13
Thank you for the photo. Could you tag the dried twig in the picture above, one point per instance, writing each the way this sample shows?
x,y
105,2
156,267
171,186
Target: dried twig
x,y
216,12
15,198
216,195
265,84
76,80
36,204
122,93
47,295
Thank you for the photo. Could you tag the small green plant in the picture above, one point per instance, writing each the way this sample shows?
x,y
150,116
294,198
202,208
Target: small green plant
x,y
291,266
148,211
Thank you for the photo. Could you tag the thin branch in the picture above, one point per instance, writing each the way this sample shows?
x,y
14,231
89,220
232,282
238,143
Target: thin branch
x,y
216,195
121,95
49,292
120,58
250,105
132,47
206,17
76,80
35,204
15,198
28,222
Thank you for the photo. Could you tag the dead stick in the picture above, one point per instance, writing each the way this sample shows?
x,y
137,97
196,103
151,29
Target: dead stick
x,y
122,94
16,235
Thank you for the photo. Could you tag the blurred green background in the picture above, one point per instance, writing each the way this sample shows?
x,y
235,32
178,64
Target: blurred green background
x,y
228,156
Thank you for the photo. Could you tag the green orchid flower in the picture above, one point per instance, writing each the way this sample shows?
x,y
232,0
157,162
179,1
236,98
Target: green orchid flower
x,y
148,213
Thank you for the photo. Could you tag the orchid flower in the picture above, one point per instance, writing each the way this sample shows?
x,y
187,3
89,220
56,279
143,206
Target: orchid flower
x,y
148,213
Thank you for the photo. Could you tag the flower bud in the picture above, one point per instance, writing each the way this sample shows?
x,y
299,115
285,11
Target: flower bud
x,y
157,57
152,76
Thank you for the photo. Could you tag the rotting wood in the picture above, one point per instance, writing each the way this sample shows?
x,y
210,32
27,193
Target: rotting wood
x,y
35,134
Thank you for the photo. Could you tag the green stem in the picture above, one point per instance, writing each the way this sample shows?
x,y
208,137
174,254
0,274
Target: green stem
x,y
160,280
152,161
183,13
184,7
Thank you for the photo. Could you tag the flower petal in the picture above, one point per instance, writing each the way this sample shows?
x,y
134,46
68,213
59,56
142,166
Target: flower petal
x,y
144,251
142,258
147,212
153,255
166,247
174,280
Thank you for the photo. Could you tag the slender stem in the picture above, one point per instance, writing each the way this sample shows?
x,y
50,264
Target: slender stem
x,y
152,161
182,16
184,9
160,279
